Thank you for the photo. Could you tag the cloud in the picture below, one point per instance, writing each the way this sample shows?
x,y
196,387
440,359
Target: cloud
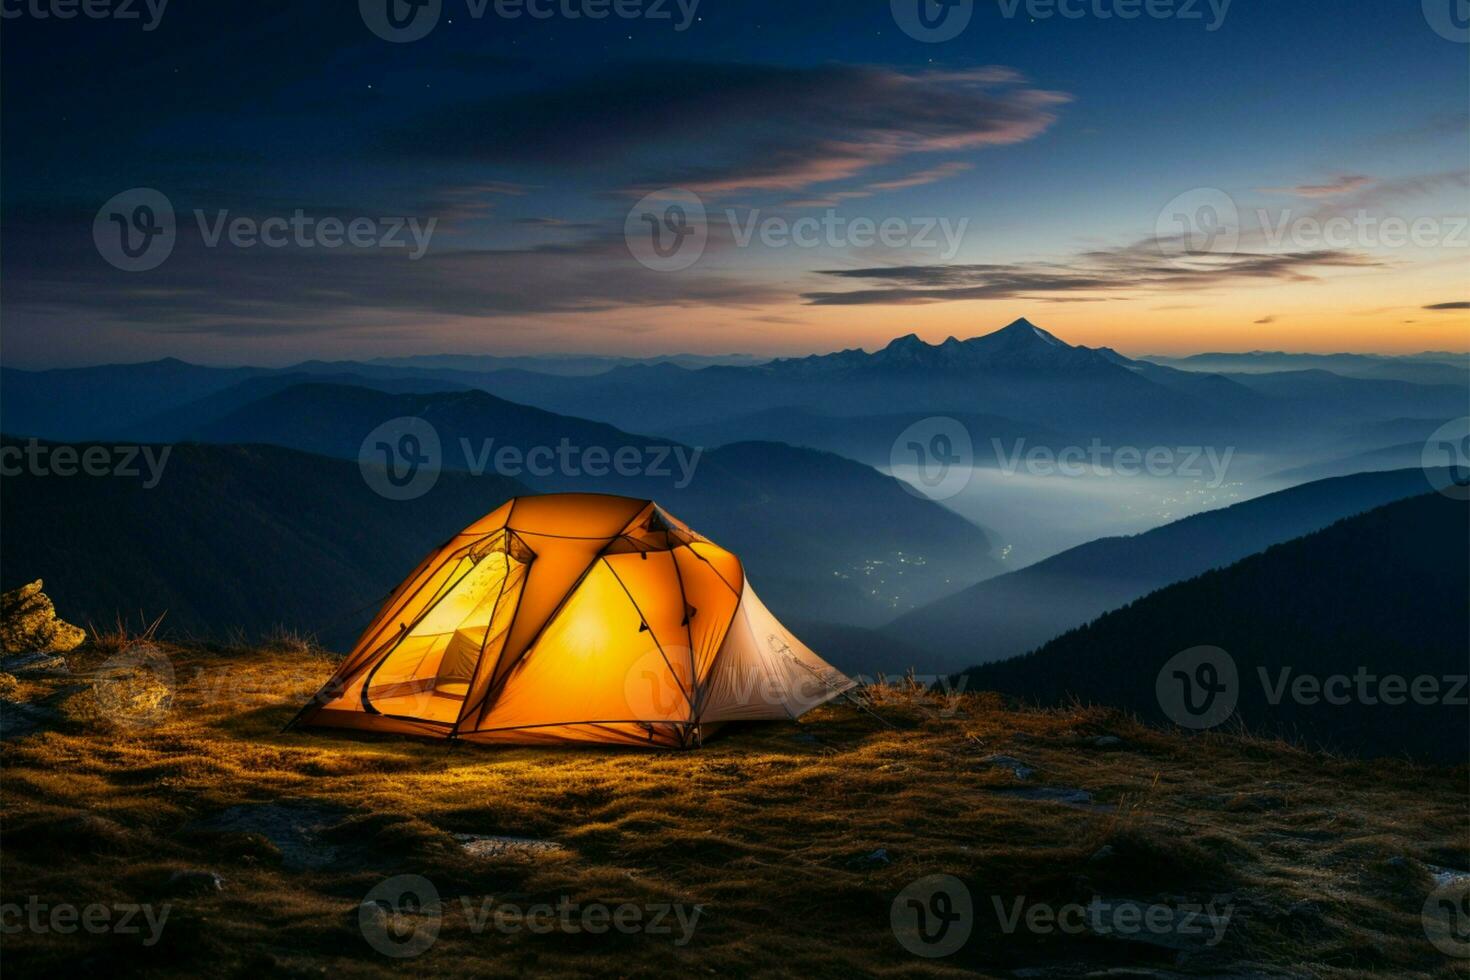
x,y
721,128
1457,305
1264,320
1384,197
1380,193
1333,188
261,291
456,204
929,176
1135,268
559,223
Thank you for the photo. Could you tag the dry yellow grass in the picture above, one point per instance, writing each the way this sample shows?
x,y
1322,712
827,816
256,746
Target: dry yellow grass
x,y
1323,862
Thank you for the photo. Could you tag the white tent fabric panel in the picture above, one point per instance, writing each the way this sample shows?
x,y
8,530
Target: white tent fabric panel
x,y
764,673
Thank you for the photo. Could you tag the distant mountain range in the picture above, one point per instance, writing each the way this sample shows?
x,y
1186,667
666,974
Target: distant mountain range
x,y
1396,457
1430,367
1020,373
1010,614
868,438
1377,595
1020,346
570,365
1322,400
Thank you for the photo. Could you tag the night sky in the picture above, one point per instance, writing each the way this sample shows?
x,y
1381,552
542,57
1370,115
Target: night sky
x,y
1056,149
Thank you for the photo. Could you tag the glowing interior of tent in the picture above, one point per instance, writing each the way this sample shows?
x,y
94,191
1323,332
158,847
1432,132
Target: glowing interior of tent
x,y
428,672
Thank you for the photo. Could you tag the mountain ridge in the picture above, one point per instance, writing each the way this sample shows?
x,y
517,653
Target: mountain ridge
x,y
1370,594
1010,614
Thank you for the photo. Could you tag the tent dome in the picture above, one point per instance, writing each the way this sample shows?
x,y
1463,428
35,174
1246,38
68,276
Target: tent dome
x,y
574,617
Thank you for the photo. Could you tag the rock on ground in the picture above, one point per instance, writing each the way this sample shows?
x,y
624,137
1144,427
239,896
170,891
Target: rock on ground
x,y
296,829
28,623
18,719
493,845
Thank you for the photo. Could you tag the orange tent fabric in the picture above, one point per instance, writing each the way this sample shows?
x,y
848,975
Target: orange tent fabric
x,y
574,617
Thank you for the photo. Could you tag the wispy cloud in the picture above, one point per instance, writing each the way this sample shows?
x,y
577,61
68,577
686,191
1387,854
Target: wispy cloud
x,y
1383,192
770,128
832,199
930,176
1336,187
280,291
457,204
1136,268
1457,305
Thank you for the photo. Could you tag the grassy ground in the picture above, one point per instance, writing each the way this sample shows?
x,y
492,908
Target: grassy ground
x,y
1321,866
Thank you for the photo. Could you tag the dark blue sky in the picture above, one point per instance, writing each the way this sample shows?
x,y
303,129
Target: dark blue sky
x,y
1058,141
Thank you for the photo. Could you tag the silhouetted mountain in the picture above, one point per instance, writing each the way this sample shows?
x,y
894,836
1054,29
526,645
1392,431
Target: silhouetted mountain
x,y
828,536
1325,400
570,365
867,438
246,537
100,402
831,538
334,419
1252,413
1016,612
1377,595
1377,460
1427,368
156,399
1020,346
179,423
1019,372
862,653
1366,436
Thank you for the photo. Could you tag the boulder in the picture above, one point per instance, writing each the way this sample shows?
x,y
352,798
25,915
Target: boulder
x,y
28,623
495,845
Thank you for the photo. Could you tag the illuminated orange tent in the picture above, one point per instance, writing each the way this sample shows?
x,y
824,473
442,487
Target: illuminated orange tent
x,y
574,617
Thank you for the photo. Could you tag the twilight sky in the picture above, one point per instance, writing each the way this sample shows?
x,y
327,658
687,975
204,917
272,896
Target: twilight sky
x,y
1237,176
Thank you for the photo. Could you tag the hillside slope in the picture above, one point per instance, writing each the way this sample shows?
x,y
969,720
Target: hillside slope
x,y
829,538
258,536
1010,614
1386,593
247,537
